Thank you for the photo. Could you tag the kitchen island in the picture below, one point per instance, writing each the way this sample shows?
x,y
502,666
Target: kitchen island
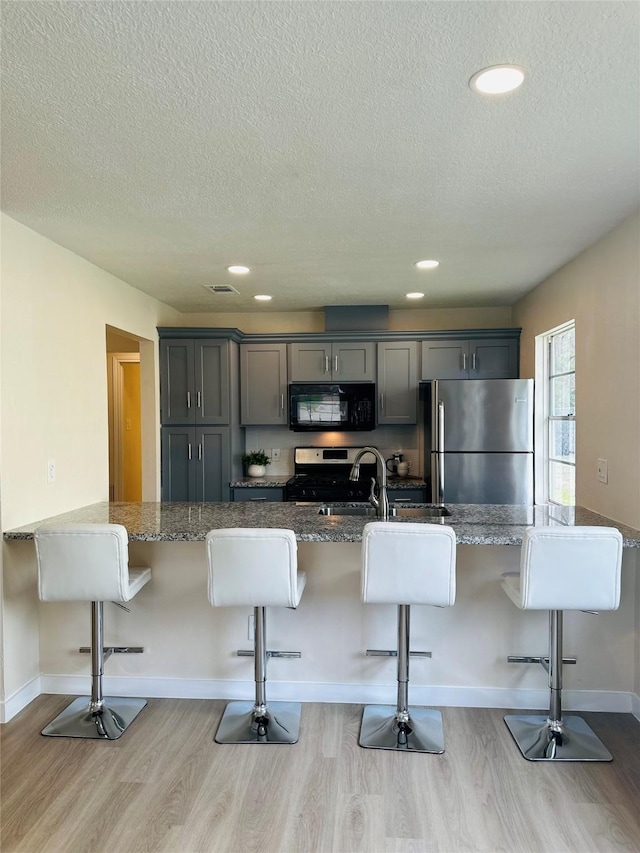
x,y
190,646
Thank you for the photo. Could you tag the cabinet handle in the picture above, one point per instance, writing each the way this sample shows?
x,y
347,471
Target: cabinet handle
x,y
282,402
255,500
199,451
326,364
189,452
473,361
382,399
464,361
198,399
335,363
188,399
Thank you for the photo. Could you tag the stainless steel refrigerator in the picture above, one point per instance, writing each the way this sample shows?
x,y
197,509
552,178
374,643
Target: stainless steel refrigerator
x,y
480,433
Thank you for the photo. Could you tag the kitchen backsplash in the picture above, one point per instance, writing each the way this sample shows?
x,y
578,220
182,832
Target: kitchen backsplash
x,y
388,440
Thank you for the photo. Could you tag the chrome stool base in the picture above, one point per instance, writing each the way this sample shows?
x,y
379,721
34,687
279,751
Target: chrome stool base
x,y
381,730
77,720
537,741
281,723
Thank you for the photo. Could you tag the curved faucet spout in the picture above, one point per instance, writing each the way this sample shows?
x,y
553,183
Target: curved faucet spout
x,y
381,502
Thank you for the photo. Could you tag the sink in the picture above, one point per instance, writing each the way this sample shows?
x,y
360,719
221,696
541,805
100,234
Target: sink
x,y
347,510
394,511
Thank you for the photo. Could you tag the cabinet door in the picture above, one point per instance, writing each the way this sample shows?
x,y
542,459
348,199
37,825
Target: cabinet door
x,y
178,464
398,383
445,360
263,384
212,382
177,387
353,362
493,359
309,362
213,468
265,495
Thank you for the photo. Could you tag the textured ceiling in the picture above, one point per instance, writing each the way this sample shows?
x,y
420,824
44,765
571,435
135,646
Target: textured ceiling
x,y
327,145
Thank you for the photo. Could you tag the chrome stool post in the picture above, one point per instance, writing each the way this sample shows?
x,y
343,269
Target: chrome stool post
x,y
402,728
251,550
588,578
73,559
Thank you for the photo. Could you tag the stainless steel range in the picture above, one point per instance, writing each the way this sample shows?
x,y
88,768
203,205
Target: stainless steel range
x,y
322,474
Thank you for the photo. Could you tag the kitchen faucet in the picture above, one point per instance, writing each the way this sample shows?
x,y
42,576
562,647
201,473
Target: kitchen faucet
x,y
381,501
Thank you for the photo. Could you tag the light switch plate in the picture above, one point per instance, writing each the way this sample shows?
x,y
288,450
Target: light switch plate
x,y
275,454
603,473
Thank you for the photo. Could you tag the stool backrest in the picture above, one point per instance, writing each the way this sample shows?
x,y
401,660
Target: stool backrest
x,y
571,568
252,566
406,563
82,562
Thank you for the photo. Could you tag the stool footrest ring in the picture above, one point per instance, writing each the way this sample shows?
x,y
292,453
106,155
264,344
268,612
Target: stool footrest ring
x,y
392,653
114,650
249,653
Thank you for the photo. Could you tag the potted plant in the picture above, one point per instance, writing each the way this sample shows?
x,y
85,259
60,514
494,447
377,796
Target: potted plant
x,y
256,463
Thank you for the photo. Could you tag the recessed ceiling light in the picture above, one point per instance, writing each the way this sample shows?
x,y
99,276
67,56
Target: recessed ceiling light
x,y
263,297
427,265
238,269
497,79
415,295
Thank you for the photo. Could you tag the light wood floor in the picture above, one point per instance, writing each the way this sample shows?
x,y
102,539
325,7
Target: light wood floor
x,y
166,786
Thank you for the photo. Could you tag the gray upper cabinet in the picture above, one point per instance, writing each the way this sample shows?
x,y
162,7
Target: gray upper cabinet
x,y
484,358
263,384
323,362
194,382
398,383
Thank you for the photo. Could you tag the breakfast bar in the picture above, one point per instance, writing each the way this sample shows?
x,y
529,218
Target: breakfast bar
x,y
190,647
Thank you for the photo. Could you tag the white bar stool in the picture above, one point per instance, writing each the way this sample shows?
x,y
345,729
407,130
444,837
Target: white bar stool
x,y
257,567
562,568
404,564
90,562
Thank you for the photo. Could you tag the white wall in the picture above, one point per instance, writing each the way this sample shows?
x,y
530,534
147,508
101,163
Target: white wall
x,y
408,320
600,289
53,403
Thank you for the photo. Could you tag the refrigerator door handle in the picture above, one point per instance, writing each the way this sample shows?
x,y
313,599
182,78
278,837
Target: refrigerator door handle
x,y
437,458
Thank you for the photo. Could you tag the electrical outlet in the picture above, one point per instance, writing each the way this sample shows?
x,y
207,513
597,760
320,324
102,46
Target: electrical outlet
x,y
250,628
603,472
275,454
51,471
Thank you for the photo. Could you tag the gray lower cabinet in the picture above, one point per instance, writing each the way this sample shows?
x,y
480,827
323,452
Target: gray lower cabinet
x,y
195,463
263,384
415,496
257,494
326,362
484,358
194,381
398,383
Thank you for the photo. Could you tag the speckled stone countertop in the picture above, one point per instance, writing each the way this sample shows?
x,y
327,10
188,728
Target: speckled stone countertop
x,y
278,482
474,524
267,482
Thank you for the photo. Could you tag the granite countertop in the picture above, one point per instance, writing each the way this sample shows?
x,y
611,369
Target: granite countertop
x,y
266,482
474,524
275,482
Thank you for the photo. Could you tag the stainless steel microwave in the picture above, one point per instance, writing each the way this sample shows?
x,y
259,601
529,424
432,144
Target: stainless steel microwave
x,y
332,406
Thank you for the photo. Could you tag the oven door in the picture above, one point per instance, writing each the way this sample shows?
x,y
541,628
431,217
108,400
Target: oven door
x,y
335,407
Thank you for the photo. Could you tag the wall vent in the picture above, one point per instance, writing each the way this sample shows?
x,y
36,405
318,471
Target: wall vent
x,y
221,288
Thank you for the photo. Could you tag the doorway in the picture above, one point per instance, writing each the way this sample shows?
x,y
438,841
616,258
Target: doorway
x,y
124,406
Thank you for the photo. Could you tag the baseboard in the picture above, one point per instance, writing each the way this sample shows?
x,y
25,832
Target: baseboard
x,y
20,699
359,694
635,705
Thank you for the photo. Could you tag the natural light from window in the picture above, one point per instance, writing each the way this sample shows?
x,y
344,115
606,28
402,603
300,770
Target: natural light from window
x,y
558,353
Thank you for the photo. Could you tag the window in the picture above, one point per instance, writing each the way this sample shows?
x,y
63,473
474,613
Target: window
x,y
559,402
